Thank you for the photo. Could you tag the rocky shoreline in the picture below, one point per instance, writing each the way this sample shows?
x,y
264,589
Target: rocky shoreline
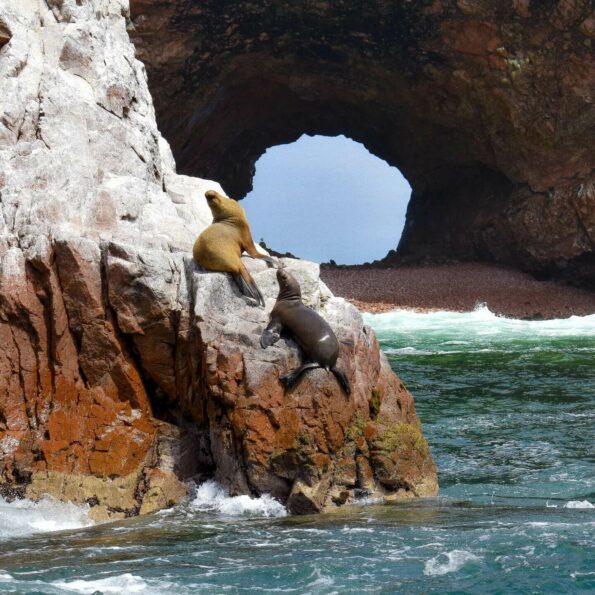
x,y
458,287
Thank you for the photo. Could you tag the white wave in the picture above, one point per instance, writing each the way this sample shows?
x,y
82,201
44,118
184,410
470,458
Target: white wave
x,y
123,583
320,581
357,530
212,497
24,517
448,562
579,504
415,351
479,322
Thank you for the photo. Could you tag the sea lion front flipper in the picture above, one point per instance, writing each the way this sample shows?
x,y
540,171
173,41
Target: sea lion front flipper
x,y
248,286
252,252
268,259
343,380
271,334
291,378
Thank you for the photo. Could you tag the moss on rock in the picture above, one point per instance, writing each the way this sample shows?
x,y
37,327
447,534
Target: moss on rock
x,y
405,439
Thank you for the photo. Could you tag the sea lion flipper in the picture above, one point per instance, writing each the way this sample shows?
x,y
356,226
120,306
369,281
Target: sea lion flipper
x,y
268,259
291,378
271,334
252,252
248,286
343,380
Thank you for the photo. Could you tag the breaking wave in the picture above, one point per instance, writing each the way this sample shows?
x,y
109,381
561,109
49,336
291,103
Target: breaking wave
x,y
449,562
24,517
481,321
212,497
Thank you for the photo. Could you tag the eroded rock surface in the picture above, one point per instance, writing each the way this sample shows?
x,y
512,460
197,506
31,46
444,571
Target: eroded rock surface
x,y
124,370
486,106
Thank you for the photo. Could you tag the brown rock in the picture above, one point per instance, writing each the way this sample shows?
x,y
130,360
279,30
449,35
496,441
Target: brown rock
x,y
588,26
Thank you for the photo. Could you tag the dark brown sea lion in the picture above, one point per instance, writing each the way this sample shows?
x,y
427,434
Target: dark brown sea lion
x,y
311,332
219,247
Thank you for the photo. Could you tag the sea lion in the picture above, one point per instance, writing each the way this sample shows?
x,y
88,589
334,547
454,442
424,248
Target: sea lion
x,y
219,247
311,332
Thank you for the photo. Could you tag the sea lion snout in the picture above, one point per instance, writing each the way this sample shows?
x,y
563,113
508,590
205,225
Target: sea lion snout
x,y
210,194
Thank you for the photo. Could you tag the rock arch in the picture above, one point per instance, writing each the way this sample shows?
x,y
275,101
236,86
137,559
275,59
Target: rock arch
x,y
485,106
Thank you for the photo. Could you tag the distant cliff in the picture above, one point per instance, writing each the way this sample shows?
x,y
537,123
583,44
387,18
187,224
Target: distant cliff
x,y
124,370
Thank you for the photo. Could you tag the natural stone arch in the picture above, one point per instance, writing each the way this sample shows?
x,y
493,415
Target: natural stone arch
x,y
485,106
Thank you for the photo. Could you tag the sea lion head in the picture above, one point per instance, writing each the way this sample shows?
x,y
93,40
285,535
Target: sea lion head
x,y
223,207
289,288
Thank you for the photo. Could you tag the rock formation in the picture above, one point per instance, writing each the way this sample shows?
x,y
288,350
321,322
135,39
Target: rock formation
x,y
486,106
124,369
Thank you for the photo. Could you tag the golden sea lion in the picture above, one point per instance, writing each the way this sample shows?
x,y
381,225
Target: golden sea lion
x,y
311,332
219,247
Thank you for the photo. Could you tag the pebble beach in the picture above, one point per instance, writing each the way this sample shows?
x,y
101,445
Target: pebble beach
x,y
458,288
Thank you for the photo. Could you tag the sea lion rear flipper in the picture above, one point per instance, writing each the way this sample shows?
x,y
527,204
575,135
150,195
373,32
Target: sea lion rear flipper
x,y
343,380
248,286
271,334
291,378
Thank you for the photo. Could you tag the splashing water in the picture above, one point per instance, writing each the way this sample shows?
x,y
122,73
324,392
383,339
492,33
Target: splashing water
x,y
211,497
23,517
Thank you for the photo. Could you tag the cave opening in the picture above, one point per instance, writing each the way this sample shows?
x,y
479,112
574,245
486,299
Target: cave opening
x,y
458,95
327,198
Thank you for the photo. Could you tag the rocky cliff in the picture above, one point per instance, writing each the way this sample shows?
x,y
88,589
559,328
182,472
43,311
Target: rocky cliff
x,y
486,106
124,369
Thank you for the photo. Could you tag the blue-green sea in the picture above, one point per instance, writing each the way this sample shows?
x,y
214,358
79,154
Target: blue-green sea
x,y
509,410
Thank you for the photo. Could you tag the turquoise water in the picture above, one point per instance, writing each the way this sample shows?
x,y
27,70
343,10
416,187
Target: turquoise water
x,y
508,409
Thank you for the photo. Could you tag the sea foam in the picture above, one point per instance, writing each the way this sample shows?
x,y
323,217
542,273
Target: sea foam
x,y
212,497
123,583
24,517
449,562
579,504
480,322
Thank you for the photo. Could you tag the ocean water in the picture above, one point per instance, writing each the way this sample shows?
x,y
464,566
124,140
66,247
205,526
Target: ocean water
x,y
508,408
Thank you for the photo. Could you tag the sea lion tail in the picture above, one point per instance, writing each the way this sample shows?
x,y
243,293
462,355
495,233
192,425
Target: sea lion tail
x,y
248,286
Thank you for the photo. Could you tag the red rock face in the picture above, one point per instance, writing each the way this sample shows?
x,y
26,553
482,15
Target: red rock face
x,y
100,340
304,446
72,400
485,106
